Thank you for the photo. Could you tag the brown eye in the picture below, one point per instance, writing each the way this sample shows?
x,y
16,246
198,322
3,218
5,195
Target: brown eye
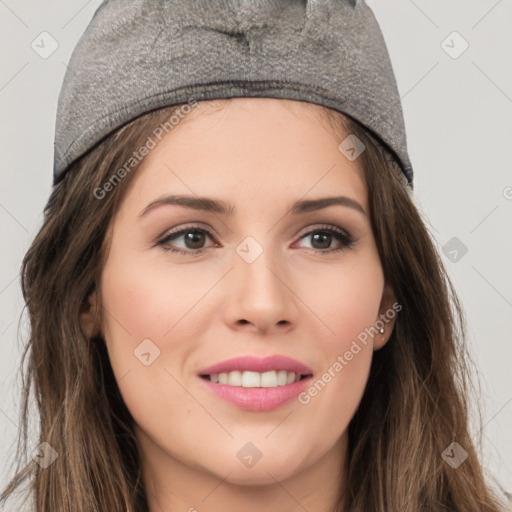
x,y
194,239
322,238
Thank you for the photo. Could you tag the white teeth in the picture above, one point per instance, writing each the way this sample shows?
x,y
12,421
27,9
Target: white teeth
x,y
282,377
235,378
269,379
248,379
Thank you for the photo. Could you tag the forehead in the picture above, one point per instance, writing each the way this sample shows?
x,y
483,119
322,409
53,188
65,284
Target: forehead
x,y
272,148
295,108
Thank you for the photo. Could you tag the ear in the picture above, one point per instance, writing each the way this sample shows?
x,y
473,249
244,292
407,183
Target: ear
x,y
88,316
388,310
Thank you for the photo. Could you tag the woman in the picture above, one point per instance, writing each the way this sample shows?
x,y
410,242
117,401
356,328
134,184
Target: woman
x,y
234,301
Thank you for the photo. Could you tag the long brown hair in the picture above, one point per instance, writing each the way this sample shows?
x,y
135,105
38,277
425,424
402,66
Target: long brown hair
x,y
414,406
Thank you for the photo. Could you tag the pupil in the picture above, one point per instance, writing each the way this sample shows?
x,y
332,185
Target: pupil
x,y
327,238
195,238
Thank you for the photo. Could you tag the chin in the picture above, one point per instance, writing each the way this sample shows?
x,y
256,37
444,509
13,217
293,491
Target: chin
x,y
260,474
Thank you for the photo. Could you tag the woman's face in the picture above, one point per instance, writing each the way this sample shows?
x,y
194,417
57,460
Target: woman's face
x,y
262,279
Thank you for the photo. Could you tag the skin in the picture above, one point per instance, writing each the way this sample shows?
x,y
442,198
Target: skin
x,y
261,155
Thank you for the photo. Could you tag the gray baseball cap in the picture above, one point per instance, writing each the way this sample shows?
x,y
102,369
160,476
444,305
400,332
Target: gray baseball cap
x,y
140,55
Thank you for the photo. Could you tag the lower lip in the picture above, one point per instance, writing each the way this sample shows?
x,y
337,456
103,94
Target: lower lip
x,y
257,399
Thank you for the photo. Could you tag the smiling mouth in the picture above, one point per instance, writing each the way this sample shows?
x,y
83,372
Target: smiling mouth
x,y
249,379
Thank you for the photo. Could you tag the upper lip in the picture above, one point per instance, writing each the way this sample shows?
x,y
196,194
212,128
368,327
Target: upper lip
x,y
255,364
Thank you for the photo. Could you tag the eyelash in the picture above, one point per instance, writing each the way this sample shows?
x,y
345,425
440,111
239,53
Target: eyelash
x,y
346,240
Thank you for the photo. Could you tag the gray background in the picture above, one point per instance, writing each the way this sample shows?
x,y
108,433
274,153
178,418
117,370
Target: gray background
x,y
458,114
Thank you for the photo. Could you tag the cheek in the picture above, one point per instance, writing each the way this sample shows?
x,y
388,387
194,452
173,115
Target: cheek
x,y
148,300
144,323
348,306
156,312
346,299
334,394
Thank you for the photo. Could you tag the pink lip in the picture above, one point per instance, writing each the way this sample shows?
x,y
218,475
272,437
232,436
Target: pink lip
x,y
254,364
258,399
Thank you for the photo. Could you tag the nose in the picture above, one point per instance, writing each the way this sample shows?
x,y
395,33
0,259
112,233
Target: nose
x,y
260,294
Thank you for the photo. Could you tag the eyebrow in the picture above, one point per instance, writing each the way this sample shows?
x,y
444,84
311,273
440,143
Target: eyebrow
x,y
223,208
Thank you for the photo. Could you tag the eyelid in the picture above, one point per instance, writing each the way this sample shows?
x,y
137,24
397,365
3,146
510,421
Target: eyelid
x,y
186,227
191,226
322,226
